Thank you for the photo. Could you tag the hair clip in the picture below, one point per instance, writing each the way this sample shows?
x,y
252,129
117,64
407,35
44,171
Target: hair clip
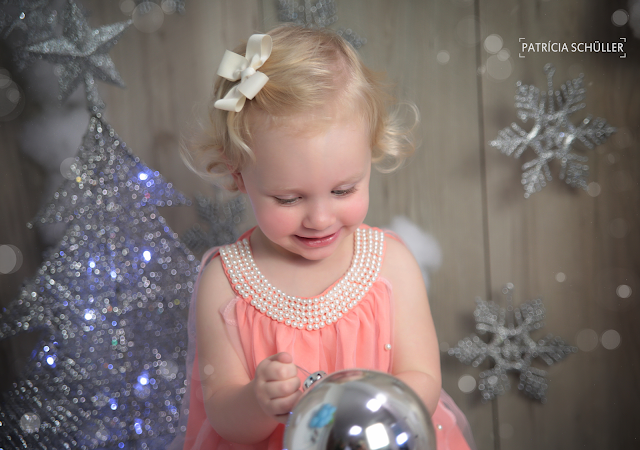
x,y
235,67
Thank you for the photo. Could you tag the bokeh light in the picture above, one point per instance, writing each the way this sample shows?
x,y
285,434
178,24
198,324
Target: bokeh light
x,y
560,277
615,288
467,384
169,6
623,291
148,17
208,370
593,189
443,57
493,43
618,228
30,422
620,18
587,340
169,370
67,168
610,339
143,379
503,54
11,98
127,6
10,259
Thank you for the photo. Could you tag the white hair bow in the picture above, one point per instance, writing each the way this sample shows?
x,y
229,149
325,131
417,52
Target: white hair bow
x,y
235,67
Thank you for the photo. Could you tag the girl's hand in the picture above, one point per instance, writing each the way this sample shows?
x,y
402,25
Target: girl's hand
x,y
276,386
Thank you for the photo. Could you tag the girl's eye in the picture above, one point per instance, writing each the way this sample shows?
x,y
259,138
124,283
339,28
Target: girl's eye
x,y
286,201
343,192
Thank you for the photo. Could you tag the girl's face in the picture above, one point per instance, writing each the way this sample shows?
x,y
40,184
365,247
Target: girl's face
x,y
309,190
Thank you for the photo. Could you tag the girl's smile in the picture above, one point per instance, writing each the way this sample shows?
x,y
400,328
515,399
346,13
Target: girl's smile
x,y
316,242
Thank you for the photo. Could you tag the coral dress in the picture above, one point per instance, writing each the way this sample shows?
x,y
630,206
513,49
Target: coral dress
x,y
350,325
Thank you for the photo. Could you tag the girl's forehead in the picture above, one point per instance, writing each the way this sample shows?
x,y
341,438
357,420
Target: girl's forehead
x,y
307,123
310,143
288,158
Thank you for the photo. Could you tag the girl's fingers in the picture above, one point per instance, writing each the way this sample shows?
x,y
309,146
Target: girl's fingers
x,y
277,371
282,357
281,389
282,406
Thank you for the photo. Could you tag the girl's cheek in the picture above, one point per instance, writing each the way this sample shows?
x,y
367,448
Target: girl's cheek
x,y
275,220
357,210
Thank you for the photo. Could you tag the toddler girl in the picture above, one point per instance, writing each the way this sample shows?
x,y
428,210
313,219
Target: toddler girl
x,y
297,122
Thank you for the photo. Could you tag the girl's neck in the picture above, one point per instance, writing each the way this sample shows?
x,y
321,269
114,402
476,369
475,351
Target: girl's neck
x,y
295,275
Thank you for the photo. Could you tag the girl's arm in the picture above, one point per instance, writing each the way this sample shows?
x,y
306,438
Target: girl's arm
x,y
241,410
416,358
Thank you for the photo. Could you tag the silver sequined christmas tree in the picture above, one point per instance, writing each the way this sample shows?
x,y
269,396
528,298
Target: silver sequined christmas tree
x,y
511,347
553,135
109,301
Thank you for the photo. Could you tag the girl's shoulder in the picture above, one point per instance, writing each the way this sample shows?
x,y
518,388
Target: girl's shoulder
x,y
399,265
213,286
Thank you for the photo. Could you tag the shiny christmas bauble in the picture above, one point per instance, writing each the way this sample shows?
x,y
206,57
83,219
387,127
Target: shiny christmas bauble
x,y
358,410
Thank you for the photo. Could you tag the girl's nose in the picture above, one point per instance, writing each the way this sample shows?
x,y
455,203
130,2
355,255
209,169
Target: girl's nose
x,y
319,216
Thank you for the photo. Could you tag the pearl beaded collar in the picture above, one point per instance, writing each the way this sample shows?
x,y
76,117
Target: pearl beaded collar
x,y
310,313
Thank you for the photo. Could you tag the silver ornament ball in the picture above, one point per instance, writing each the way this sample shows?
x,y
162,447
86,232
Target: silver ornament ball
x,y
359,409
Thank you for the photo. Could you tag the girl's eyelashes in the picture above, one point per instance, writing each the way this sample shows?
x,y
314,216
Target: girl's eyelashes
x,y
294,200
286,201
343,192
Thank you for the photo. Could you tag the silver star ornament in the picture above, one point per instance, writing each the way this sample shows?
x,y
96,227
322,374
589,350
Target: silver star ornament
x,y
82,55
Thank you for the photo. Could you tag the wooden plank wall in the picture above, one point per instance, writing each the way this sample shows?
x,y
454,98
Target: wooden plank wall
x,y
456,187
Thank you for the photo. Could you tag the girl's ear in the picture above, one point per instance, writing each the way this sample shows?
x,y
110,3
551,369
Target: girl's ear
x,y
237,177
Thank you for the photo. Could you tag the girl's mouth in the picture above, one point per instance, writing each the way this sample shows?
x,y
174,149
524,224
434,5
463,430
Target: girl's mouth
x,y
318,242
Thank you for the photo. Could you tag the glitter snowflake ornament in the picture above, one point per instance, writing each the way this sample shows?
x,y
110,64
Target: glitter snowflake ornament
x,y
168,6
316,14
553,135
511,348
308,13
222,217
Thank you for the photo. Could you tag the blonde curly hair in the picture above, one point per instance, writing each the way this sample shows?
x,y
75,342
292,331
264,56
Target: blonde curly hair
x,y
308,70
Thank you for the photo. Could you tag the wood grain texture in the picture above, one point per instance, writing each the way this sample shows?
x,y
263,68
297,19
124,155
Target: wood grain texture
x,y
562,230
